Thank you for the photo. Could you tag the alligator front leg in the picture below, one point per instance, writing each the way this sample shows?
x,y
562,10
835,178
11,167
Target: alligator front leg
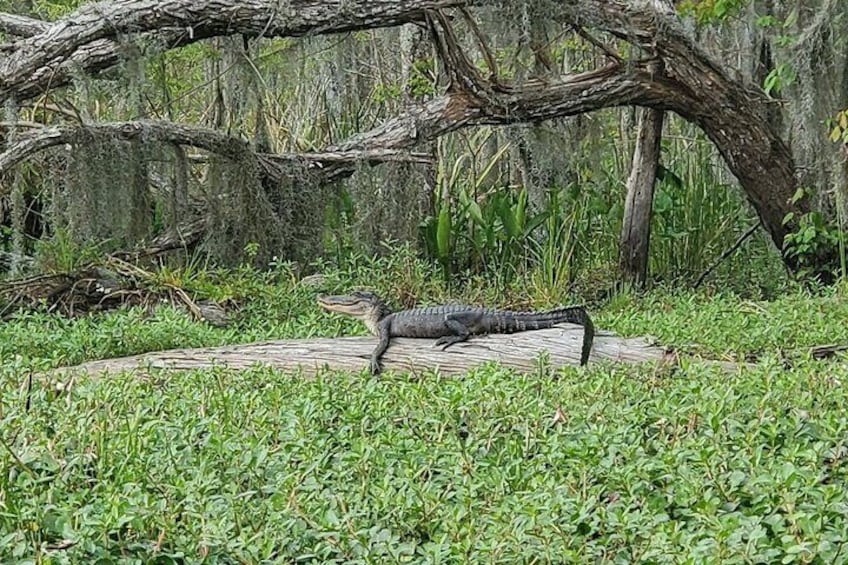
x,y
376,366
458,325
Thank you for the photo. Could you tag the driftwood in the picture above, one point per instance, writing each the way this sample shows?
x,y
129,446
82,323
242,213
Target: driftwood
x,y
521,351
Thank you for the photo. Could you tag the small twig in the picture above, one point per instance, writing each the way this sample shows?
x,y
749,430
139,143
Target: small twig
x,y
7,311
29,281
484,48
187,301
21,124
462,73
727,253
120,295
62,545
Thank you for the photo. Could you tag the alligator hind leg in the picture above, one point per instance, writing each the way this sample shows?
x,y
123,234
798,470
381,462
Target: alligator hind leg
x,y
458,324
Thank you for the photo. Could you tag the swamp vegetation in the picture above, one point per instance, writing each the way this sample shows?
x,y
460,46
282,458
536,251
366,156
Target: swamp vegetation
x,y
615,463
242,157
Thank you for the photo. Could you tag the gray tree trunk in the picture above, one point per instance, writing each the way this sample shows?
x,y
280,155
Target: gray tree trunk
x,y
636,229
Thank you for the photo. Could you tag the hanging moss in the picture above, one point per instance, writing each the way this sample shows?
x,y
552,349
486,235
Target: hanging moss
x,y
819,60
106,197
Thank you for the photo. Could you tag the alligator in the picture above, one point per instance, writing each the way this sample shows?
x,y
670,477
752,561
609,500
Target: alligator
x,y
451,324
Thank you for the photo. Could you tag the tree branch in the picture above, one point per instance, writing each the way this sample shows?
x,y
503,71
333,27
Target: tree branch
x,y
90,34
536,101
331,164
607,50
727,253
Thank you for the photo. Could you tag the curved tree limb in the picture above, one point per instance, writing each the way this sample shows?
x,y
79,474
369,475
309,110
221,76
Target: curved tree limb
x,y
89,35
610,86
330,164
677,77
732,112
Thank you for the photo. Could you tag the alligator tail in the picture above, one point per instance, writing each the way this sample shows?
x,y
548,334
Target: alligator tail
x,y
573,314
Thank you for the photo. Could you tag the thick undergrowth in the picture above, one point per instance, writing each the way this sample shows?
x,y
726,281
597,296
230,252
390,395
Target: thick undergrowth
x,y
605,463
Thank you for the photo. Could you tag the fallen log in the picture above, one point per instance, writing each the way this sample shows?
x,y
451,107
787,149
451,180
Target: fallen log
x,y
520,351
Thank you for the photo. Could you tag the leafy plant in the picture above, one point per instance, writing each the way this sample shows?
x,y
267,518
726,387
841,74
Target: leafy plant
x,y
491,234
63,254
779,78
619,463
839,127
813,238
557,250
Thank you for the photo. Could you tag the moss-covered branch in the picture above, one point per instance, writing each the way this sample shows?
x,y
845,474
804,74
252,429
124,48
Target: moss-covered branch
x,y
327,165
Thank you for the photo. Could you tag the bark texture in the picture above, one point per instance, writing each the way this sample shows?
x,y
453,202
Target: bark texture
x,y
329,165
89,36
636,228
519,351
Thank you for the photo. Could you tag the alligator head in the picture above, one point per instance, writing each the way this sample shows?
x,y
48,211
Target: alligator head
x,y
362,305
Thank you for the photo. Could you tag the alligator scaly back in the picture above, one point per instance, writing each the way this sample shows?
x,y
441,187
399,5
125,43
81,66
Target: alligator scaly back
x,y
451,323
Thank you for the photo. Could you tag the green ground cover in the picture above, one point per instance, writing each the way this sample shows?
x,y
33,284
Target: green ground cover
x,y
616,464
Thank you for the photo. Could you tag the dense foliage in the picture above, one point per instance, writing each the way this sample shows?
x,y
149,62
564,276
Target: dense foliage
x,y
545,196
608,463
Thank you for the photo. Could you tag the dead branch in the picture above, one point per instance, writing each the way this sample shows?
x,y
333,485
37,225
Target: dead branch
x,y
483,44
184,236
606,49
90,58
99,287
727,253
521,351
21,26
